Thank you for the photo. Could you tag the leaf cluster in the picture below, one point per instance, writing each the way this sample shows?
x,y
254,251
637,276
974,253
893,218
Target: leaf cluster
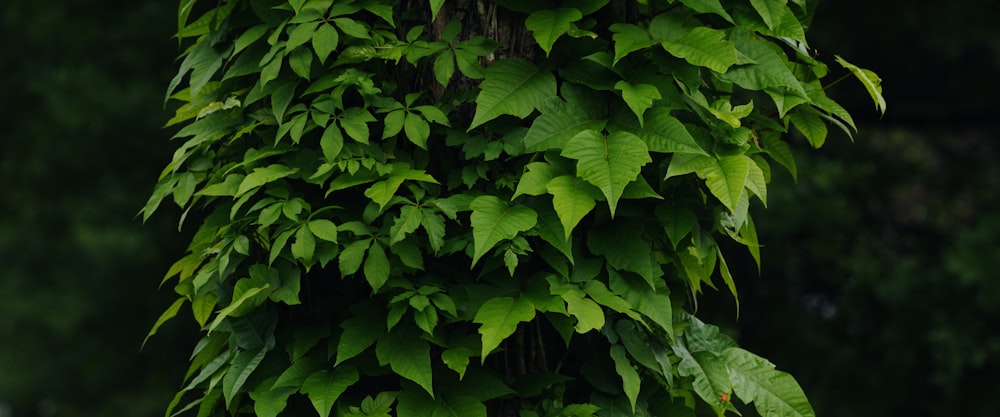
x,y
385,235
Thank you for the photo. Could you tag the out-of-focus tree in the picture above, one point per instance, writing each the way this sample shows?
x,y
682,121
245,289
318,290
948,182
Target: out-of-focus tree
x,y
882,256
79,141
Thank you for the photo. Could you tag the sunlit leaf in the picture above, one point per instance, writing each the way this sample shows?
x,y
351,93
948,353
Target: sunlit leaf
x,y
609,162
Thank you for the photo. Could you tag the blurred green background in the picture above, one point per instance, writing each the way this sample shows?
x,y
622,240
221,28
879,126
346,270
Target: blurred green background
x,y
878,290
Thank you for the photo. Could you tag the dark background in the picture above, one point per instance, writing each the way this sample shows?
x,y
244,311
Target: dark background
x,y
878,289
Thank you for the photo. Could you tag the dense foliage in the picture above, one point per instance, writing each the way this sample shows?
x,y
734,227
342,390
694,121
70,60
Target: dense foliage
x,y
505,208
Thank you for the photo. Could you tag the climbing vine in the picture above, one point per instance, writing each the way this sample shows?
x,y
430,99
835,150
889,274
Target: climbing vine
x,y
472,208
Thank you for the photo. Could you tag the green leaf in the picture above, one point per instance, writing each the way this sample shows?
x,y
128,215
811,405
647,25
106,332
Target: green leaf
x,y
417,130
377,267
269,402
355,123
756,181
444,66
809,123
407,222
781,152
460,406
677,222
304,245
323,387
265,175
711,378
433,224
360,332
548,25
704,47
244,363
512,86
237,303
657,306
409,357
630,377
324,229
382,192
557,124
869,79
457,359
727,178
435,7
768,70
294,375
770,10
639,97
629,38
499,318
589,316
167,314
572,198
493,220
771,391
351,256
324,41
608,162
708,6
662,132
535,179
623,246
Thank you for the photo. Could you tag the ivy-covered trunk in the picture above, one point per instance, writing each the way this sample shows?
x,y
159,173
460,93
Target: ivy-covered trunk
x,y
480,208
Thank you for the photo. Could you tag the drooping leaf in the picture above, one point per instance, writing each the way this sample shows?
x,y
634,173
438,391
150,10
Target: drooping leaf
x,y
360,332
771,391
351,256
549,24
261,176
377,267
727,178
460,406
494,220
325,40
572,199
244,363
638,97
457,359
269,402
708,6
499,318
871,81
512,86
809,123
167,314
408,355
323,387
770,10
711,377
609,162
630,377
629,38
